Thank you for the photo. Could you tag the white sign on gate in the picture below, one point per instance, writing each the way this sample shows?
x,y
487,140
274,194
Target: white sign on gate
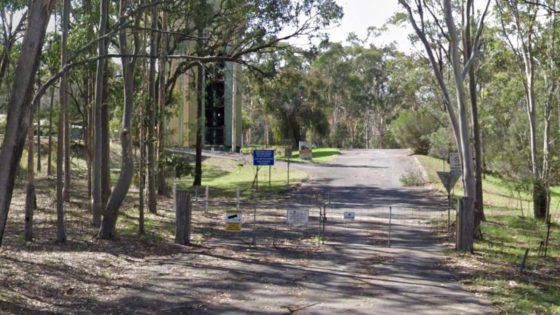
x,y
297,217
349,215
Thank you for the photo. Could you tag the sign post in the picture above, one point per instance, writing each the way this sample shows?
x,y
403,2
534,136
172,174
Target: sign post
x,y
288,155
449,179
263,158
305,152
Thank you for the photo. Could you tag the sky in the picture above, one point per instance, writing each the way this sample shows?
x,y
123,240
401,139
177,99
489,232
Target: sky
x,y
361,14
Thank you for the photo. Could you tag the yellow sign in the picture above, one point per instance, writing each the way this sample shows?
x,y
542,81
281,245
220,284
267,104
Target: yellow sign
x,y
232,221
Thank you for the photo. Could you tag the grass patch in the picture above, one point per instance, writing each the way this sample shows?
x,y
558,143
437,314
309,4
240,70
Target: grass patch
x,y
510,229
320,155
411,179
225,176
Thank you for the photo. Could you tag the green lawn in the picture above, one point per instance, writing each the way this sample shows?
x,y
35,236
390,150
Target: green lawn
x,y
509,230
320,155
224,176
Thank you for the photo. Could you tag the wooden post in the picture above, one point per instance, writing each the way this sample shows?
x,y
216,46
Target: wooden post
x,y
523,261
288,171
390,226
465,226
237,198
206,196
183,214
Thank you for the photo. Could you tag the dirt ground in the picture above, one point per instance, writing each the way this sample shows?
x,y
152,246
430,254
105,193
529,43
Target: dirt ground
x,y
268,268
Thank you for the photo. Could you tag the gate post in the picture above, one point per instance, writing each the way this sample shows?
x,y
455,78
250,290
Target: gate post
x,y
183,215
465,224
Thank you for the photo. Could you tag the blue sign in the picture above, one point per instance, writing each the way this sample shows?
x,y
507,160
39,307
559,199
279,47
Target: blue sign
x,y
263,157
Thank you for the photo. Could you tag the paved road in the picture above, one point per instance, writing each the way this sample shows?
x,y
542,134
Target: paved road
x,y
408,278
356,272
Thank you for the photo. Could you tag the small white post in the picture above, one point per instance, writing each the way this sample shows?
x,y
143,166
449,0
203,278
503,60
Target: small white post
x,y
390,217
207,192
237,194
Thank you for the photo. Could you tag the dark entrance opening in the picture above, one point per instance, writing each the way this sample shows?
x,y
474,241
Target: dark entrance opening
x,y
214,113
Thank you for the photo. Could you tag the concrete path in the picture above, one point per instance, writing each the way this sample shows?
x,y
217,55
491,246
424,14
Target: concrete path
x,y
355,272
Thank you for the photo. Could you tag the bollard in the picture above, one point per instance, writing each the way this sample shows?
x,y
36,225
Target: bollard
x,y
207,193
254,224
465,223
390,217
196,191
183,215
523,261
237,200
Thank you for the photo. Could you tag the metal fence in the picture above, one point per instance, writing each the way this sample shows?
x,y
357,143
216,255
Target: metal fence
x,y
265,219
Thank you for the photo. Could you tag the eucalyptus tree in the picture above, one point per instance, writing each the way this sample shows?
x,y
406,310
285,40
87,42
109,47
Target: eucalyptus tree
x,y
236,30
122,185
372,65
152,110
13,15
20,106
100,159
333,68
532,39
63,147
421,14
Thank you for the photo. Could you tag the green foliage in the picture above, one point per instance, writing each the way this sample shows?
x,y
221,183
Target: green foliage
x,y
441,140
246,123
411,129
179,164
412,178
509,229
224,177
293,99
320,155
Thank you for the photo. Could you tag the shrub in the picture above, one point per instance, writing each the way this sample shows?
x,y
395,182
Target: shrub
x,y
412,129
412,178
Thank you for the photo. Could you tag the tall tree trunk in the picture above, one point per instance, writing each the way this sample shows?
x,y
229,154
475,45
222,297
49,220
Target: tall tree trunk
x,y
524,49
122,186
106,141
200,95
38,138
30,199
19,106
49,157
100,91
234,107
161,184
141,163
479,200
89,107
152,112
551,84
88,110
464,134
61,151
64,90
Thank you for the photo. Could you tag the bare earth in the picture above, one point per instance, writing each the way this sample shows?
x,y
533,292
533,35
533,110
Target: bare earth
x,y
354,272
